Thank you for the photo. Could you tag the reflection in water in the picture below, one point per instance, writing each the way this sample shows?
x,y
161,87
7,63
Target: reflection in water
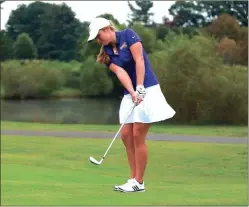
x,y
83,111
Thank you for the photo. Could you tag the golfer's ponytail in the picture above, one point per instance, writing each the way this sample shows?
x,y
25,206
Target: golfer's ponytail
x,y
102,56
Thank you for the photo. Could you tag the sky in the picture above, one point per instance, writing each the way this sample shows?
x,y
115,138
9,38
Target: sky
x,y
87,10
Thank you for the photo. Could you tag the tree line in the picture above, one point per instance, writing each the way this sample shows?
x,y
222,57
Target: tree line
x,y
200,56
56,34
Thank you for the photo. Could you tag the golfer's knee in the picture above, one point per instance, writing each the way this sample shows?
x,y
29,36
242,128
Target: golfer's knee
x,y
127,137
138,138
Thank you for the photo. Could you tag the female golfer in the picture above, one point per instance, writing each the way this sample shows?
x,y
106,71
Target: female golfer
x,y
123,53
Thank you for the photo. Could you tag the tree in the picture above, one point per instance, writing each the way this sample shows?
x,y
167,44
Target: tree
x,y
147,35
142,13
237,9
202,13
81,51
24,47
5,46
186,13
233,39
54,29
224,26
27,18
60,33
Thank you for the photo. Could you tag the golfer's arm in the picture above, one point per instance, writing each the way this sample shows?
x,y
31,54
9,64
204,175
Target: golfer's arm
x,y
137,53
123,76
140,72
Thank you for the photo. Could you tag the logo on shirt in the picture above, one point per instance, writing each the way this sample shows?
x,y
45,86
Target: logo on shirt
x,y
124,45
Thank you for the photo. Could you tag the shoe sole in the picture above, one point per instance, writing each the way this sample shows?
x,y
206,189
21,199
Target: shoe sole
x,y
137,191
116,188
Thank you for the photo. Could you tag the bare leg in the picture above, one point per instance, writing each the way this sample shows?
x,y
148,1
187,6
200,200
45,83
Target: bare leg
x,y
127,138
140,131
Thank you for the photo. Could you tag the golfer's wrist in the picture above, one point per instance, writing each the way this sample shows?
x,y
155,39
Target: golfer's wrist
x,y
132,92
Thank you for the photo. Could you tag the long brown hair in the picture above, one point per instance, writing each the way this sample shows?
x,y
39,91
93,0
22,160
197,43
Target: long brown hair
x,y
102,56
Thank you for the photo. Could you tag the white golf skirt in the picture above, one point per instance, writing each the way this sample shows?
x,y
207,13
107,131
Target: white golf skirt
x,y
153,108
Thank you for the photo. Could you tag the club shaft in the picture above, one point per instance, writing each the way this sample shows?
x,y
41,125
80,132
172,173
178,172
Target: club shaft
x,y
118,131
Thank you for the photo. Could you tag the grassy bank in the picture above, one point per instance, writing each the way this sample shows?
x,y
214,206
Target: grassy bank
x,y
61,93
225,131
67,93
55,171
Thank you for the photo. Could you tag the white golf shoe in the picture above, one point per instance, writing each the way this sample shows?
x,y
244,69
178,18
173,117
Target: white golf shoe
x,y
132,186
116,187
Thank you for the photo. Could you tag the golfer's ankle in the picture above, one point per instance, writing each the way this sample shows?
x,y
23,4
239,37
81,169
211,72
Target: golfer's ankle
x,y
140,181
132,176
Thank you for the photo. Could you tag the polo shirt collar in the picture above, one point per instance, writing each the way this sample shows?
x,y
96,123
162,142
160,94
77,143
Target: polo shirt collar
x,y
109,47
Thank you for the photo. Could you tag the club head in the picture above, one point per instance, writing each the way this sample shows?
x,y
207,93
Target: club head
x,y
94,161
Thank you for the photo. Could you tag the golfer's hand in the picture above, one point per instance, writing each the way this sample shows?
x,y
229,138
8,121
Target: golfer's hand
x,y
134,96
138,96
141,92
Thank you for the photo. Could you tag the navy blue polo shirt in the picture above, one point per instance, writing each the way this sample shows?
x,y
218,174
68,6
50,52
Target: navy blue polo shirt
x,y
124,40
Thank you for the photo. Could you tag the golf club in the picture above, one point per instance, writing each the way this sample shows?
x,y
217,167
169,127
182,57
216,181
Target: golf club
x,y
96,162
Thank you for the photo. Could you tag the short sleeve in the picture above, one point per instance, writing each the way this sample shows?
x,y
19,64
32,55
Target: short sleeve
x,y
131,37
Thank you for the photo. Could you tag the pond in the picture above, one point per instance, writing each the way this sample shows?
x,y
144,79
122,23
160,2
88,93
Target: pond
x,y
70,111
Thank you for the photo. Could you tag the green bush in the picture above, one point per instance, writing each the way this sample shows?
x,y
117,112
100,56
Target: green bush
x,y
228,96
70,69
30,79
198,85
94,79
158,61
147,35
24,47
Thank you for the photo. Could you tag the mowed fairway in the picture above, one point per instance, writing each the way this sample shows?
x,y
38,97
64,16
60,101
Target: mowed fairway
x,y
57,171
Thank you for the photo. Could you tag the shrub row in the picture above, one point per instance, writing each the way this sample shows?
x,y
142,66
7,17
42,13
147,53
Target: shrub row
x,y
192,75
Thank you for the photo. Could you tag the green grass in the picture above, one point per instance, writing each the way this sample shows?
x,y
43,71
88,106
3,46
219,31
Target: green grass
x,y
225,131
57,171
